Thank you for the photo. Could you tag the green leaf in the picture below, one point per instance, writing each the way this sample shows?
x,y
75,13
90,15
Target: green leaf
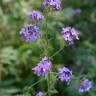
x,y
9,55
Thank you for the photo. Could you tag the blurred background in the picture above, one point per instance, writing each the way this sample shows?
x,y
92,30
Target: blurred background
x,y
17,58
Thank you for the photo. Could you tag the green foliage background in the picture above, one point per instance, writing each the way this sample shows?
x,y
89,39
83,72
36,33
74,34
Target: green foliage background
x,y
17,58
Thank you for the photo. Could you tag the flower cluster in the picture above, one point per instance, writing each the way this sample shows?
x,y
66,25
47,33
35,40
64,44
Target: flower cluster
x,y
43,67
85,86
40,94
69,34
36,15
30,33
65,74
54,4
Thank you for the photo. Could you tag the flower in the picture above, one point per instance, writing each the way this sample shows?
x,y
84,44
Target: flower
x,y
85,86
77,11
40,94
65,74
43,67
54,4
30,33
36,15
69,34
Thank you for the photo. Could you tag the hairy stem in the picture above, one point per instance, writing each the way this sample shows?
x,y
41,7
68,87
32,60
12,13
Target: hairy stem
x,y
56,52
31,86
48,83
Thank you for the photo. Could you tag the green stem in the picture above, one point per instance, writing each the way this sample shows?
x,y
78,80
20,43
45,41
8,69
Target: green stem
x,y
46,33
48,83
43,45
36,82
28,88
56,53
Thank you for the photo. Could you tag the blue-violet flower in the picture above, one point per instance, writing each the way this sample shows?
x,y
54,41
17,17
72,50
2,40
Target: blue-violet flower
x,y
30,33
85,86
40,94
77,11
69,34
43,67
36,15
54,4
65,74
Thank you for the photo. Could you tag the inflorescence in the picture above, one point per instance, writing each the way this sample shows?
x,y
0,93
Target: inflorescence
x,y
36,15
85,86
43,67
54,4
77,11
69,34
30,33
65,74
40,94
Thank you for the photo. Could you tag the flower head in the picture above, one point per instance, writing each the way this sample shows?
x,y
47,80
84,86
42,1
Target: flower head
x,y
85,86
40,94
30,33
43,67
36,15
65,74
69,34
77,11
54,4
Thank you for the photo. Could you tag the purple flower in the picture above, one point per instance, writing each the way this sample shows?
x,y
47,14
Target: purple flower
x,y
65,74
40,94
54,4
85,86
30,33
69,34
77,11
36,15
43,67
